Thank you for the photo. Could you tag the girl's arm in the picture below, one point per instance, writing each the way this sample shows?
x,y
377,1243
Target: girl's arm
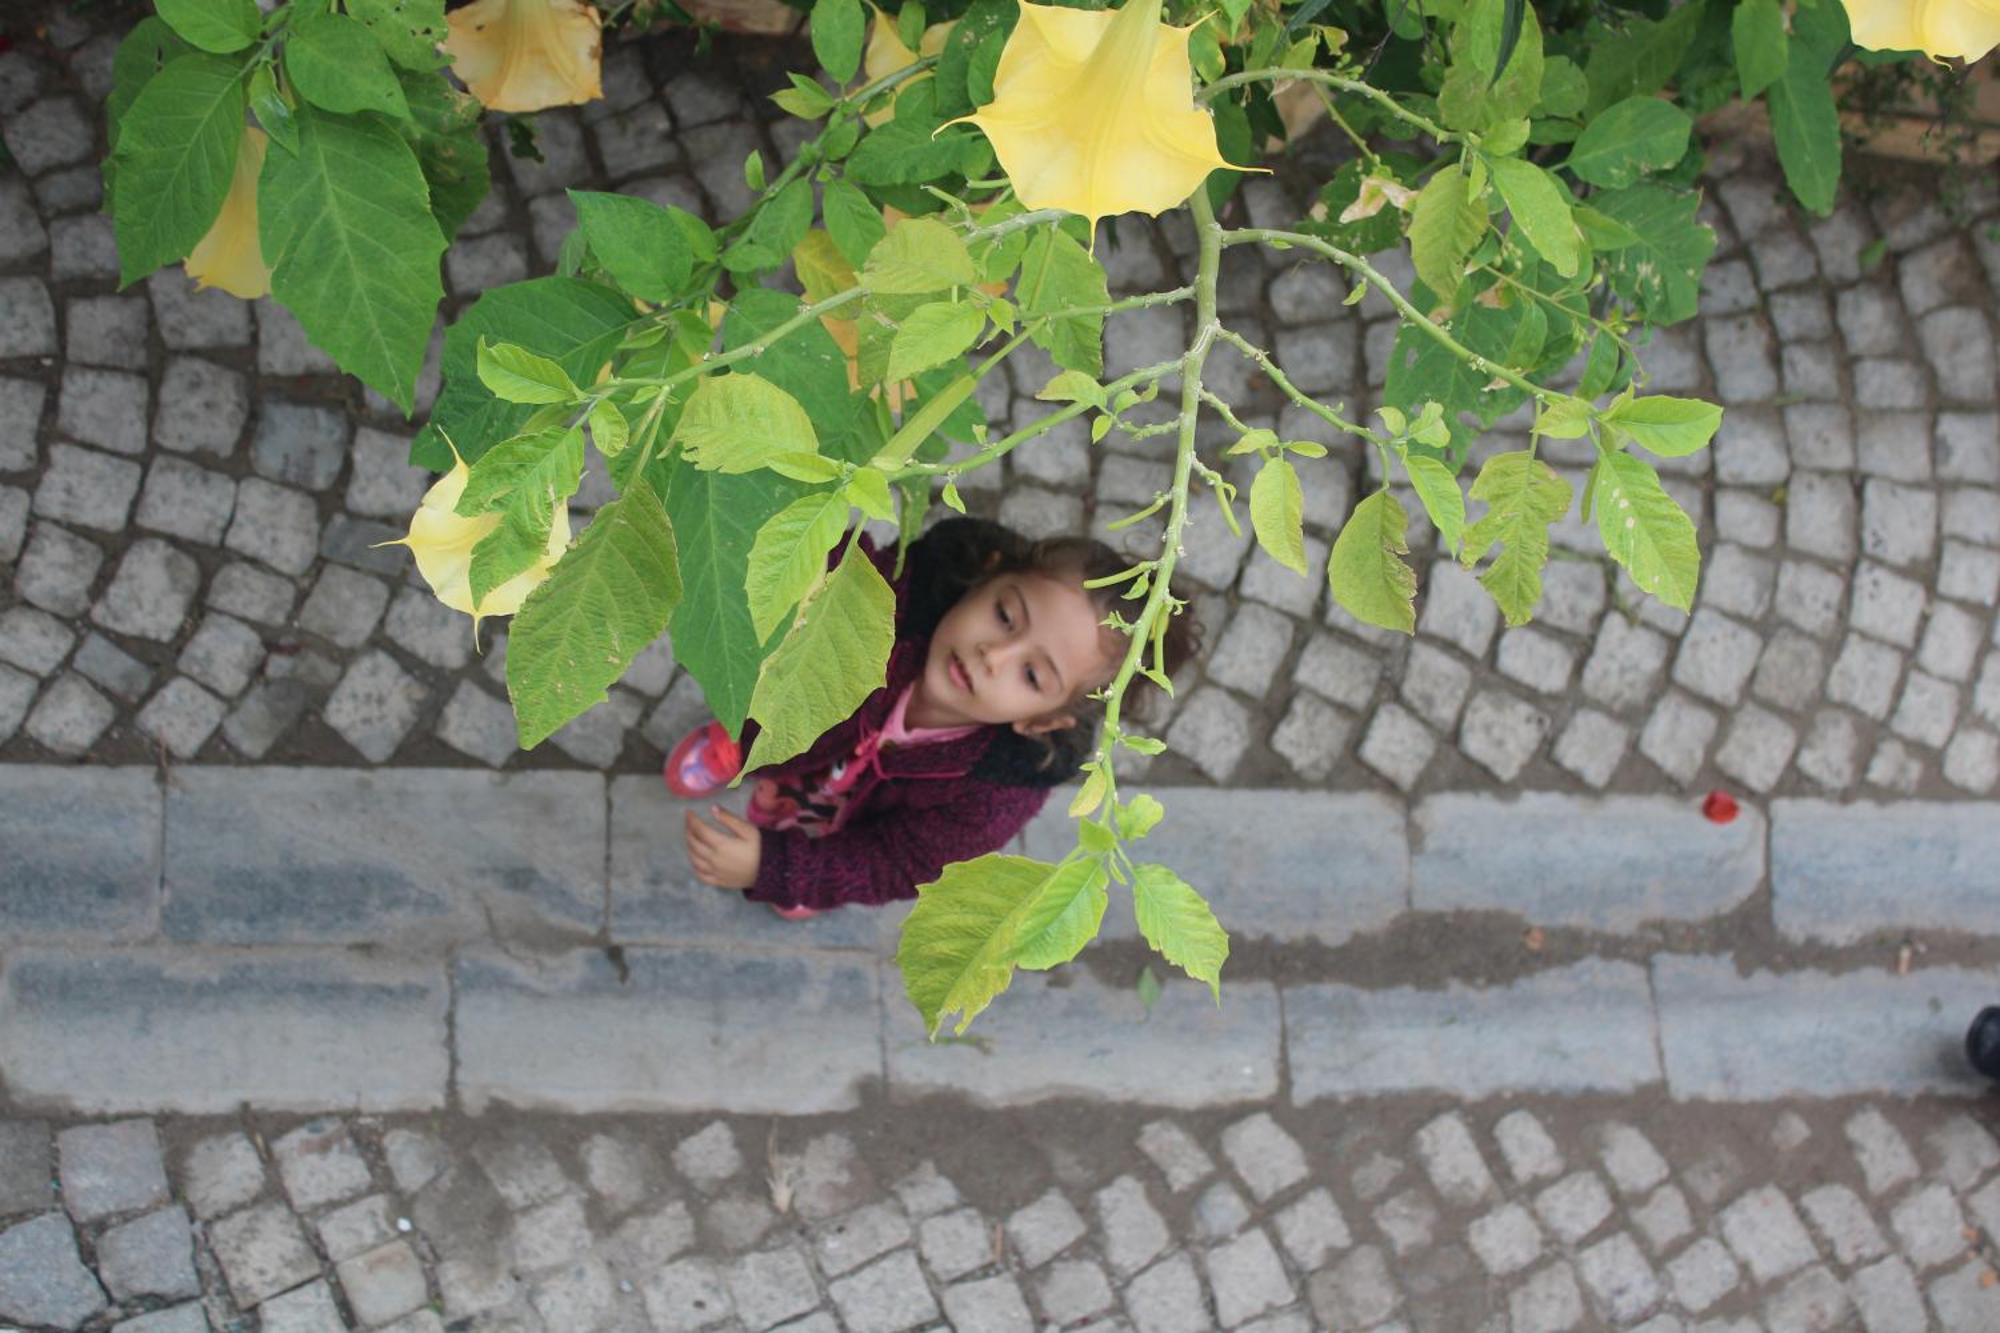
x,y
879,860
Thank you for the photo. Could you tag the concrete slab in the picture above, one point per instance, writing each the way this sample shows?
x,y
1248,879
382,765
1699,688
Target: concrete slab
x,y
1587,1027
414,856
1730,1037
1291,865
1068,1035
1841,871
79,853
666,1030
202,1033
1601,863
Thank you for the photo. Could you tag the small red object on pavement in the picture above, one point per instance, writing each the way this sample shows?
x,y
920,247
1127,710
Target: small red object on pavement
x,y
1720,807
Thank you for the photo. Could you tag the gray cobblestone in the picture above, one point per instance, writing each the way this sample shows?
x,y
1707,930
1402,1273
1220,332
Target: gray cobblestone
x,y
27,317
375,705
1626,664
1958,347
1663,1218
1703,1274
1895,445
1757,748
1179,1157
1950,642
181,717
1537,660
106,408
185,501
1969,573
87,488
1716,657
1972,514
1790,671
1927,711
1251,650
1736,581
150,1256
1972,761
1312,736
1617,1274
106,331
1212,729
1887,605
20,414
1457,610
1820,516
202,407
107,665
17,691
57,569
1676,736
1549,1299
1765,1233
1821,435
42,1277
34,640
1968,447
1844,1223
149,595
1898,523
1895,768
1864,676
1397,746
1435,684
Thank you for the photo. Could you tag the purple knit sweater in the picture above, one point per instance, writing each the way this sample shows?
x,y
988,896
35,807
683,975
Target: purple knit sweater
x,y
930,805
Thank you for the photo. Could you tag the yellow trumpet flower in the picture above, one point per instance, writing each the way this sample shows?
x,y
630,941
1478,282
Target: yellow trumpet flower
x,y
524,55
229,256
1093,112
442,540
1938,28
886,54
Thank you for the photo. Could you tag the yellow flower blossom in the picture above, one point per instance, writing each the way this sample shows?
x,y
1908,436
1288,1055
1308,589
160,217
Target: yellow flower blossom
x,y
442,541
524,55
229,256
1093,112
1938,28
886,54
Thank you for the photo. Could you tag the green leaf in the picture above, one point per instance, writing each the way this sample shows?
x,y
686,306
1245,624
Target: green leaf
x,y
868,491
1669,427
176,154
789,556
273,112
219,26
1437,489
1277,513
539,472
1147,988
1564,89
409,30
609,430
835,655
1638,135
444,131
1072,386
738,423
1541,209
337,65
149,48
716,519
519,376
1140,815
1660,275
777,226
1366,571
932,335
1603,232
639,243
576,324
1640,59
1645,531
347,228
1806,125
805,99
1062,915
838,29
852,219
1444,226
808,365
1757,31
1058,274
608,598
920,256
1177,922
958,944
911,149
1478,93
1523,496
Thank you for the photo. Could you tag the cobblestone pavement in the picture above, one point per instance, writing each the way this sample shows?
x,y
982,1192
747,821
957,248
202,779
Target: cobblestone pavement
x,y
1397,1215
188,499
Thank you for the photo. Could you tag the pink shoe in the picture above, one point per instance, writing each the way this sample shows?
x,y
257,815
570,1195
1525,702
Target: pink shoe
x,y
702,763
794,913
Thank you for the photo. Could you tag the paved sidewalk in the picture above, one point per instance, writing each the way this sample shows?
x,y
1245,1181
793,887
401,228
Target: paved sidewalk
x,y
188,496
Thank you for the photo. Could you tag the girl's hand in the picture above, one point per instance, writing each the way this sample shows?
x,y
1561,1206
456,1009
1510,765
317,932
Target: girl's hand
x,y
726,853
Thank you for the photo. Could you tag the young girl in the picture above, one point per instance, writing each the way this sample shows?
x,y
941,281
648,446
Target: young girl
x,y
986,709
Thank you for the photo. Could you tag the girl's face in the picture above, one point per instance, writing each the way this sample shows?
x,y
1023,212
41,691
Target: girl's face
x,y
1014,651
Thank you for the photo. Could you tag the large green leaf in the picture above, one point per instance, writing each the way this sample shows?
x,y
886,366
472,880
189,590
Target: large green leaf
x,y
1061,916
934,333
958,944
1660,275
1178,923
1366,570
1523,496
444,130
1277,513
347,228
716,519
220,26
920,256
576,324
838,29
177,147
1638,135
1437,490
789,555
1541,209
525,479
639,243
911,149
1059,274
852,219
835,655
409,30
1757,34
1669,427
739,423
1478,93
149,48
337,65
1640,59
778,225
1806,125
1445,223
519,376
608,598
1645,531
807,364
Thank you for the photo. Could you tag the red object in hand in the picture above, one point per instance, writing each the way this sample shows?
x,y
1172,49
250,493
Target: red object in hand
x,y
1720,807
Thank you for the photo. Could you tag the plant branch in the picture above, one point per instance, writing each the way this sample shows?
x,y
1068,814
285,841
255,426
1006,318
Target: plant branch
x,y
1278,377
1343,84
